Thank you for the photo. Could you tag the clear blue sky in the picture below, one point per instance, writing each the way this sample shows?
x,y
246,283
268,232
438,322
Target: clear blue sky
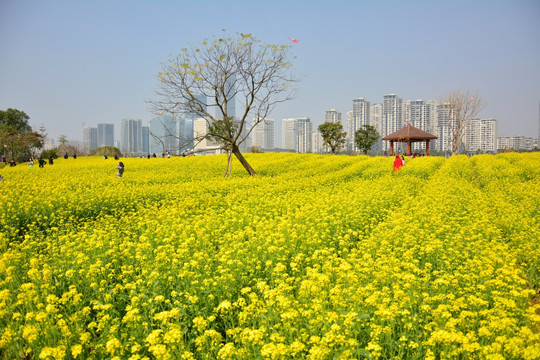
x,y
65,62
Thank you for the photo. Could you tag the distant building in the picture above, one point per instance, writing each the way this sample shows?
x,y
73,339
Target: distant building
x,y
359,117
304,129
105,135
163,135
515,143
131,137
185,125
392,117
418,114
205,146
263,134
444,130
332,116
288,136
317,143
481,135
145,139
90,138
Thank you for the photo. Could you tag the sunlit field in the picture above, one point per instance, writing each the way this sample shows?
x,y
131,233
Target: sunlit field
x,y
317,257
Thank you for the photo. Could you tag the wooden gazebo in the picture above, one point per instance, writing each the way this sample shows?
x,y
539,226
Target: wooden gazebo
x,y
409,134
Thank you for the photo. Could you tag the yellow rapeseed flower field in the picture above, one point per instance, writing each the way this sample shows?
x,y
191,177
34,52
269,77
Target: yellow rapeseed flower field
x,y
317,257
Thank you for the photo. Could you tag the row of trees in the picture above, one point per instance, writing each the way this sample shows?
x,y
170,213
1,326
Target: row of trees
x,y
334,137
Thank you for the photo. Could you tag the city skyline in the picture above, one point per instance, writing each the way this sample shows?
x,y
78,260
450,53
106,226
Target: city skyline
x,y
63,70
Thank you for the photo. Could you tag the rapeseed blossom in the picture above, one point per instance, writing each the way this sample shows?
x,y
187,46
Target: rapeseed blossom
x,y
319,257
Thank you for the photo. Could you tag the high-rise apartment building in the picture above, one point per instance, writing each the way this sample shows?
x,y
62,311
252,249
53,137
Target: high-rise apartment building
x,y
131,135
163,135
263,134
317,143
515,143
481,135
332,116
145,139
304,128
392,117
90,138
288,136
418,114
445,118
105,135
375,120
360,116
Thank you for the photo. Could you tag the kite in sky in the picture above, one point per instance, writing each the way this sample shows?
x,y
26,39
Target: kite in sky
x,y
293,40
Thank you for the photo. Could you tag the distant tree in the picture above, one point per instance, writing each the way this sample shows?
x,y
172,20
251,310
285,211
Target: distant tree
x,y
209,80
15,119
17,140
366,137
333,135
106,150
461,107
45,154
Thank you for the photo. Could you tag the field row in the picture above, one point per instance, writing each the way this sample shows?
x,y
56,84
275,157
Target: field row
x,y
318,257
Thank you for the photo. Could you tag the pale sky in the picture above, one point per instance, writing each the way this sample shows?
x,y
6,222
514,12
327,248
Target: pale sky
x,y
65,62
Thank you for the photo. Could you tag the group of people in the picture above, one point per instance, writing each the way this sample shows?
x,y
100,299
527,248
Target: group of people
x,y
41,162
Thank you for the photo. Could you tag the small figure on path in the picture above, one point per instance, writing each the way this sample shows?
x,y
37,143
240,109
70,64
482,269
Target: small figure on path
x,y
120,168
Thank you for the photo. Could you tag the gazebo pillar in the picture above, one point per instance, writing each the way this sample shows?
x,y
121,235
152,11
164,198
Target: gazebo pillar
x,y
427,147
409,148
391,147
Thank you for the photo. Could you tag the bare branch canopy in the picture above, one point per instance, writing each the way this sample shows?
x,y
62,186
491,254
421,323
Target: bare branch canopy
x,y
209,81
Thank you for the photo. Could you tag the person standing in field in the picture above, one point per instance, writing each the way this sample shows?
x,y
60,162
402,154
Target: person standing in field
x,y
31,163
120,168
398,163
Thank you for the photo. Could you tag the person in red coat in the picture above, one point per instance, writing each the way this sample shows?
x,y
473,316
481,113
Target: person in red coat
x,y
398,163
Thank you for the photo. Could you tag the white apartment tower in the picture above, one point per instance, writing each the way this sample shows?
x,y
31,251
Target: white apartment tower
x,y
481,135
332,116
263,134
444,130
418,114
304,128
360,117
288,136
392,117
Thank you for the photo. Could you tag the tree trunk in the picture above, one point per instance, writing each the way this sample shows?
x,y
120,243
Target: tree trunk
x,y
242,160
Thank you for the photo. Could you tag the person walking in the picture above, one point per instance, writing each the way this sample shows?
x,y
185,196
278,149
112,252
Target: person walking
x,y
120,168
398,163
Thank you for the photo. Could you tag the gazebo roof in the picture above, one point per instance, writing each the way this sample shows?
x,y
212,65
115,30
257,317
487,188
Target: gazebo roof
x,y
409,133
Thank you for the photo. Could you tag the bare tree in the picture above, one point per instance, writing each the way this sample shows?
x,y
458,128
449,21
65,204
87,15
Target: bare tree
x,y
463,106
206,80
